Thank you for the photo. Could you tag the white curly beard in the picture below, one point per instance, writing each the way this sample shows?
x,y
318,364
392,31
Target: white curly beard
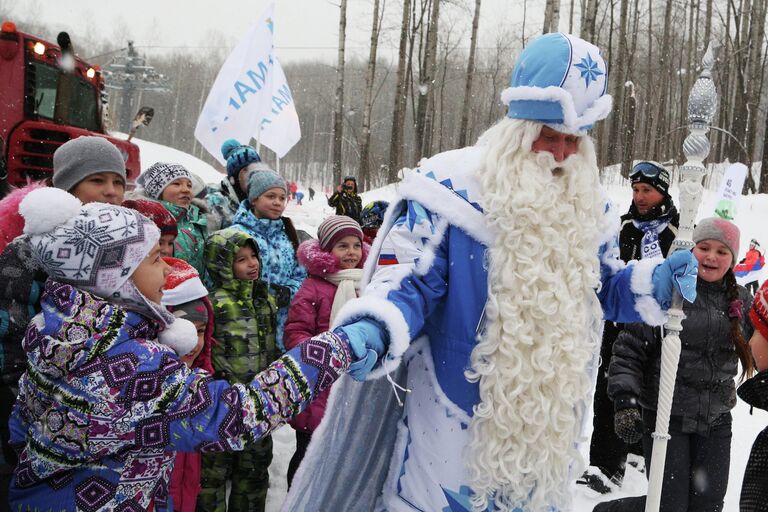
x,y
532,361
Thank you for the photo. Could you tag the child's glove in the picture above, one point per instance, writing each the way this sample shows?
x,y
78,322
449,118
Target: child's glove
x,y
367,342
628,425
282,295
678,270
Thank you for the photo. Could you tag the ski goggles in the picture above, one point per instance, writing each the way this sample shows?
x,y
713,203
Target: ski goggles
x,y
646,169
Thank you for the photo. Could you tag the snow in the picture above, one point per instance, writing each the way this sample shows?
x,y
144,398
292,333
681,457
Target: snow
x,y
750,217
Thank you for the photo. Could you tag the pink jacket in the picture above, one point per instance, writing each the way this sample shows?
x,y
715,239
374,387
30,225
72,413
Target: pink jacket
x,y
310,314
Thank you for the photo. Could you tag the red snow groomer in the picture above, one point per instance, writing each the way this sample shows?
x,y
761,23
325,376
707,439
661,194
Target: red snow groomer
x,y
48,96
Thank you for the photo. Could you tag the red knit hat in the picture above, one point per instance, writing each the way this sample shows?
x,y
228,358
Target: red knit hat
x,y
155,212
336,227
759,312
183,284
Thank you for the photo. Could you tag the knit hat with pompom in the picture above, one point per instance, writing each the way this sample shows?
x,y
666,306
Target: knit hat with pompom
x,y
237,156
97,247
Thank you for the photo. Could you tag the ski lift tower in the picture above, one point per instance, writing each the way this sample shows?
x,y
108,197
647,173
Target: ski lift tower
x,y
130,74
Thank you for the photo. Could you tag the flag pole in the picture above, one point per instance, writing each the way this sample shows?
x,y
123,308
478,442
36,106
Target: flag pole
x,y
702,104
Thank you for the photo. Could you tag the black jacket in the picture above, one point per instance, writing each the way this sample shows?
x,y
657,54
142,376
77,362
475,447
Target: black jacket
x,y
349,204
630,236
705,387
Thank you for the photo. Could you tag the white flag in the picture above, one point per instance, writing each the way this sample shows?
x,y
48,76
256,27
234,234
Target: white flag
x,y
730,190
250,97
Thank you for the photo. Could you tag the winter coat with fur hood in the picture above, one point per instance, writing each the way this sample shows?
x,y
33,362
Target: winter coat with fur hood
x,y
310,314
103,407
705,388
21,282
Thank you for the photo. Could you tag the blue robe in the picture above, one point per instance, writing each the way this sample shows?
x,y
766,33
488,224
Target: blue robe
x,y
427,284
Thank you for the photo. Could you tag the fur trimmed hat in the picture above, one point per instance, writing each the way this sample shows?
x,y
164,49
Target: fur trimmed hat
x,y
559,80
183,283
336,227
159,175
261,180
79,158
758,314
725,231
95,247
238,156
155,212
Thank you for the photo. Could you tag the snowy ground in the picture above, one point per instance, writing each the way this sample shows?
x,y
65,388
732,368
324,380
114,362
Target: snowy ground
x,y
753,210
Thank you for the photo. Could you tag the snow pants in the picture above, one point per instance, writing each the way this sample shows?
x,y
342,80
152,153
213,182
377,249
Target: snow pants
x,y
608,451
249,472
695,471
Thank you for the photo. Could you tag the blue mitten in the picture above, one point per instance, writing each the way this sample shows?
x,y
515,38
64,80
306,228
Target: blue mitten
x,y
679,270
366,339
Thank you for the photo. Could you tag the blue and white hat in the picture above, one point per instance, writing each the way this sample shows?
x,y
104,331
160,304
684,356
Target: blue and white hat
x,y
559,80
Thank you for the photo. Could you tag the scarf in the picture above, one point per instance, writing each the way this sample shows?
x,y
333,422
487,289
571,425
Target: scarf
x,y
649,245
347,285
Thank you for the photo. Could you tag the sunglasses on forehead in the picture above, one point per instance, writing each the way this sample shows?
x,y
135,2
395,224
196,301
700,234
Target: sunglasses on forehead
x,y
647,169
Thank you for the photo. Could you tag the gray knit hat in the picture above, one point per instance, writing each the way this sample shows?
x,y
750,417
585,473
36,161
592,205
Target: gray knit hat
x,y
261,180
79,158
725,231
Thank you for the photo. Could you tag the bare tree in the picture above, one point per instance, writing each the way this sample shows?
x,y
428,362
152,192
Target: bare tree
x,y
426,82
338,112
370,74
398,119
470,77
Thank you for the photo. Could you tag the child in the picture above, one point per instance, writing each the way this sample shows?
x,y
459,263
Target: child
x,y
245,332
713,344
372,219
334,263
186,297
102,406
754,486
91,169
261,217
224,199
171,184
162,218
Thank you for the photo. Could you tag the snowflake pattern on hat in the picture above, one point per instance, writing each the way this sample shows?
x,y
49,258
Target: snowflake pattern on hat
x,y
97,250
159,175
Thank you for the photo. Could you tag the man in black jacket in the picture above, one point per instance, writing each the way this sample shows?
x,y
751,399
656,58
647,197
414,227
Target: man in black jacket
x,y
647,231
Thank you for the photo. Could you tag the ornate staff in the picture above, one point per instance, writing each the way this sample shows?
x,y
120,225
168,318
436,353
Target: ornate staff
x,y
702,104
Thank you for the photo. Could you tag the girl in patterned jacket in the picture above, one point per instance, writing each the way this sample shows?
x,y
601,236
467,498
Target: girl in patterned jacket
x,y
261,217
103,406
335,265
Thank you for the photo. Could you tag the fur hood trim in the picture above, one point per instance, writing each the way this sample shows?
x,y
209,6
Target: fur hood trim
x,y
11,221
320,263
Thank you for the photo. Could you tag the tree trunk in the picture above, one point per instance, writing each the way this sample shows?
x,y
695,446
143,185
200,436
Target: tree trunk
x,y
370,75
470,76
590,18
338,112
764,165
628,155
426,83
398,119
619,77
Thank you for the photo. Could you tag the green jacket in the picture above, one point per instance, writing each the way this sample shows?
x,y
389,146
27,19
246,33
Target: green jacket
x,y
244,312
190,242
